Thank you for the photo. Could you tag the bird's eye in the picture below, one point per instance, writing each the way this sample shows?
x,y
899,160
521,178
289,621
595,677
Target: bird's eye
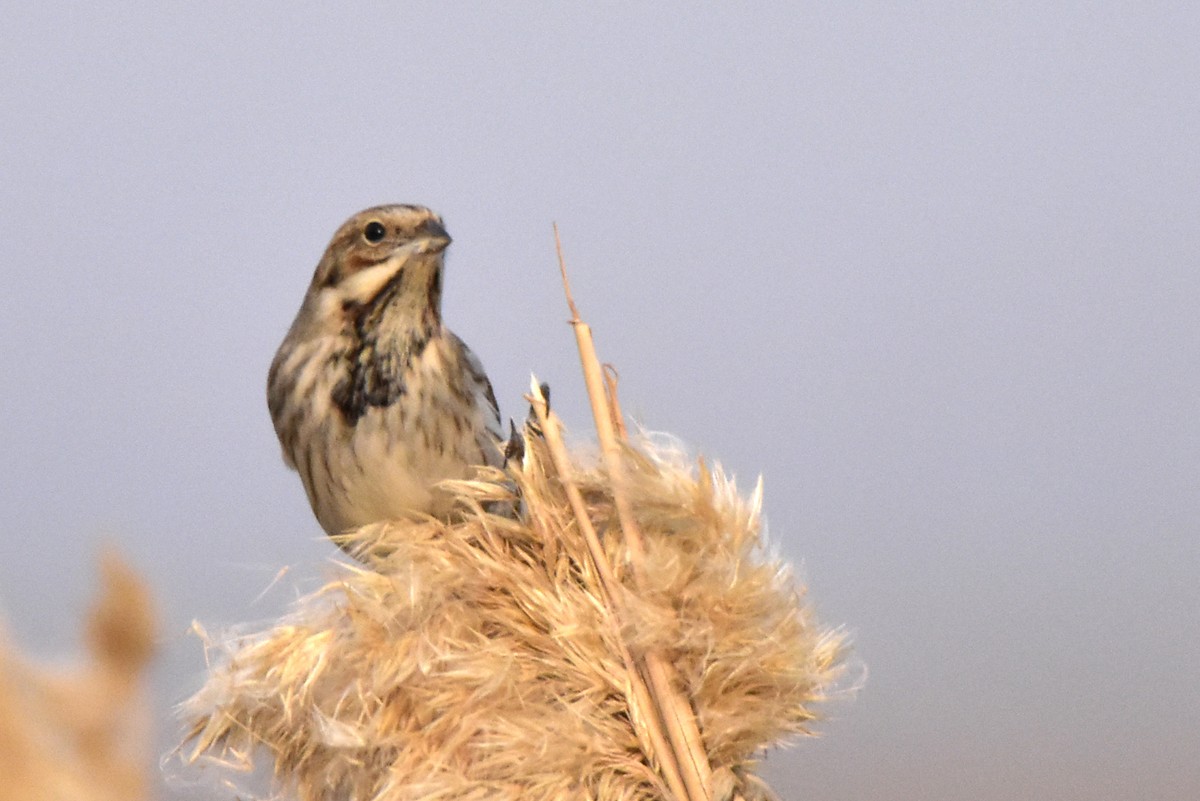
x,y
374,232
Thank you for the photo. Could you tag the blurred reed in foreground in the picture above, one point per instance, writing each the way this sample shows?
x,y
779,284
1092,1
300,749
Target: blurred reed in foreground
x,y
83,734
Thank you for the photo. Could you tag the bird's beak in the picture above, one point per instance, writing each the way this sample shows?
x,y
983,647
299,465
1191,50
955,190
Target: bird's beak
x,y
433,232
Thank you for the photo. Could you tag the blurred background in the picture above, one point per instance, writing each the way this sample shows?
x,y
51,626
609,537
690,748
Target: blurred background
x,y
932,270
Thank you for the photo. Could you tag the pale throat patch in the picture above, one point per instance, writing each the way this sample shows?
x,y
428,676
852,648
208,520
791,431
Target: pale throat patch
x,y
366,284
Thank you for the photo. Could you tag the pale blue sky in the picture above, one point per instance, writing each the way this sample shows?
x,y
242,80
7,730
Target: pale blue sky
x,y
932,269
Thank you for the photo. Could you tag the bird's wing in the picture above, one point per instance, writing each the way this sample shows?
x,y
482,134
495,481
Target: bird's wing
x,y
491,442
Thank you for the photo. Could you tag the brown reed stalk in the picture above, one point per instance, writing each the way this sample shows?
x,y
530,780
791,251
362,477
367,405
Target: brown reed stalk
x,y
610,389
675,711
643,705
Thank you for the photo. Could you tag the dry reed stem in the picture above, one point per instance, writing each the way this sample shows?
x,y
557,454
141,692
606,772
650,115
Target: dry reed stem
x,y
676,711
679,714
611,379
642,702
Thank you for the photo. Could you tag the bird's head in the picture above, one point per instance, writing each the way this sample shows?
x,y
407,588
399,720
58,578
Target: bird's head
x,y
389,253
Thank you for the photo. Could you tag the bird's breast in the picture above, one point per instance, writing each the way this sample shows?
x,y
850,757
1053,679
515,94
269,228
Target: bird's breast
x,y
382,425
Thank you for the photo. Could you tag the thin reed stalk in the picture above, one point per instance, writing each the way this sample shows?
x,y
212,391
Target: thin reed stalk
x,y
686,745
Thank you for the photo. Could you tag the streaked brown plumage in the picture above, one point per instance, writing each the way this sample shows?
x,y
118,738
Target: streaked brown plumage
x,y
374,400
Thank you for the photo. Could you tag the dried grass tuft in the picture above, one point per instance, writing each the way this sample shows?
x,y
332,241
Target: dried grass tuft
x,y
480,659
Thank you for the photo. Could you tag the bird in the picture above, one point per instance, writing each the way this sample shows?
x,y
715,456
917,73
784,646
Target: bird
x,y
374,400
